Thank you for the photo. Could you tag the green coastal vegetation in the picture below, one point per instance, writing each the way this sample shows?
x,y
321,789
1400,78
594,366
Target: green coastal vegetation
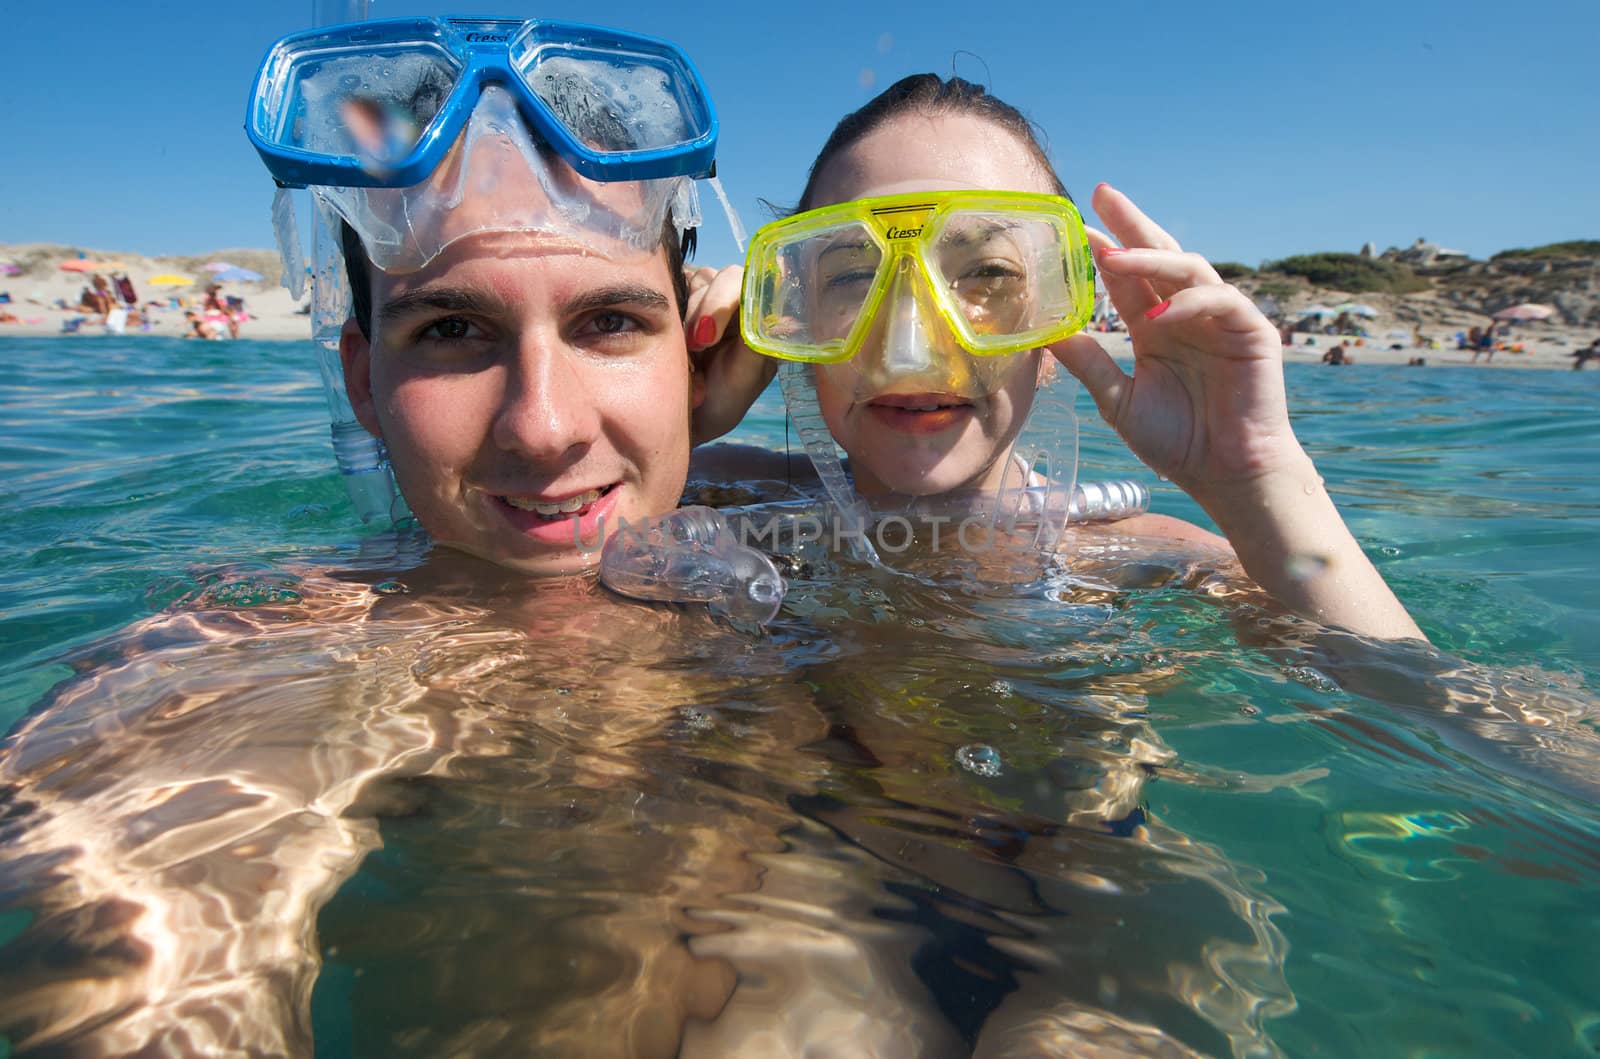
x,y
1573,248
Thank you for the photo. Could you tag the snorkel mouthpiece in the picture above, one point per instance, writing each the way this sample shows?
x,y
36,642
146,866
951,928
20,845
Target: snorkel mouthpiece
x,y
692,555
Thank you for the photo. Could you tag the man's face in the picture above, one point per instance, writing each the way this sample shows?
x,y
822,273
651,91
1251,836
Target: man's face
x,y
519,380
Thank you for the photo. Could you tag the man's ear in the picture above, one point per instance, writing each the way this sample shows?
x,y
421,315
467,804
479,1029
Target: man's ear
x,y
355,354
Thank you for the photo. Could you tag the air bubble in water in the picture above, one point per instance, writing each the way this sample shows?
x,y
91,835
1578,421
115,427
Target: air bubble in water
x,y
979,758
1390,550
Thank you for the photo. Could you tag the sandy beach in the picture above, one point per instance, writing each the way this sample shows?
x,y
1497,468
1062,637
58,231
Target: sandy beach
x,y
275,316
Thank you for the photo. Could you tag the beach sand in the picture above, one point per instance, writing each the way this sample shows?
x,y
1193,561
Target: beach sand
x,y
274,315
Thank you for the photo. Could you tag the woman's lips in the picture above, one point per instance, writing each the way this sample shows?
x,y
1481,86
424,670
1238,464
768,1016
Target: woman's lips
x,y
566,529
920,413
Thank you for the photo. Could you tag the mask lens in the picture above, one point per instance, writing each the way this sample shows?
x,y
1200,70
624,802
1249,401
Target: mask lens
x,y
810,289
368,101
610,95
1005,274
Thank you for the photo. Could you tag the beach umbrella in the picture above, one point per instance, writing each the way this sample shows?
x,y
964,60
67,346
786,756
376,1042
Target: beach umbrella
x,y
83,264
236,275
1526,311
169,279
1358,309
1316,310
219,266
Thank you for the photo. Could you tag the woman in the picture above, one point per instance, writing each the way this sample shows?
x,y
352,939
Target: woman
x,y
1205,406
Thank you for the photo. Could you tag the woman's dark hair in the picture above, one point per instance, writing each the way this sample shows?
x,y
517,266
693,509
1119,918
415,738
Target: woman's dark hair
x,y
928,94
358,270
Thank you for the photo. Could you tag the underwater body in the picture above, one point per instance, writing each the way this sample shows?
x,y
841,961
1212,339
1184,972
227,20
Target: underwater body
x,y
1121,804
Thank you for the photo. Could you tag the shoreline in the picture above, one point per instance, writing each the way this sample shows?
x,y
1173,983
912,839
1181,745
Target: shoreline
x,y
275,316
274,319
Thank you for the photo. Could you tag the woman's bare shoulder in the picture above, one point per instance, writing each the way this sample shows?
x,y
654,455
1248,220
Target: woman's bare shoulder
x,y
1159,527
1154,530
735,462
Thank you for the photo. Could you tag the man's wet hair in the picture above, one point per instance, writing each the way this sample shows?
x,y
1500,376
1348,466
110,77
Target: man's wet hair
x,y
928,95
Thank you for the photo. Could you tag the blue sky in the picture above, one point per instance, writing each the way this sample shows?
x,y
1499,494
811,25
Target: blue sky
x,y
1251,130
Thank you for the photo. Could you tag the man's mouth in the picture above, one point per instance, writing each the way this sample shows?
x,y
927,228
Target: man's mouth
x,y
554,508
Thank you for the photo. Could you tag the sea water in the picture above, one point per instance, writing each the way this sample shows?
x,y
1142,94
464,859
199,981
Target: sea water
x,y
1138,804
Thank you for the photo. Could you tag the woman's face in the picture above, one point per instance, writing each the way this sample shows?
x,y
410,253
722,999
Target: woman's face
x,y
915,412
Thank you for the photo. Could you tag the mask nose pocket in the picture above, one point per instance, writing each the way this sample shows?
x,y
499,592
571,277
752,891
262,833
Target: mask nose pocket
x,y
916,348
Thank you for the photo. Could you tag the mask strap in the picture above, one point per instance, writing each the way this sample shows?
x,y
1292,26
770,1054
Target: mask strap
x,y
799,394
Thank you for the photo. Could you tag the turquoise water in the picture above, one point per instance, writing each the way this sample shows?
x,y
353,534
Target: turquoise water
x,y
1150,802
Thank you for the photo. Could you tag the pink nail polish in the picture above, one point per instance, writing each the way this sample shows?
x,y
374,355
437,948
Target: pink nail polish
x,y
705,331
1156,310
1112,251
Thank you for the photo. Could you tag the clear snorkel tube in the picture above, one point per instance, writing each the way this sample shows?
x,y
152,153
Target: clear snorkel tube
x,y
362,460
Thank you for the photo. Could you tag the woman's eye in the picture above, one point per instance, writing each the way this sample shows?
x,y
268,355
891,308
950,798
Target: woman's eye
x,y
851,278
612,323
994,270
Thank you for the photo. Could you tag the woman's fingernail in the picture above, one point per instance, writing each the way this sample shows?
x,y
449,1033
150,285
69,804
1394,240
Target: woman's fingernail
x,y
1156,310
705,331
1112,251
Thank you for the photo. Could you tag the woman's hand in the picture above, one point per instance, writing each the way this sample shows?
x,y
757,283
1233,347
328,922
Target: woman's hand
x,y
731,376
1205,406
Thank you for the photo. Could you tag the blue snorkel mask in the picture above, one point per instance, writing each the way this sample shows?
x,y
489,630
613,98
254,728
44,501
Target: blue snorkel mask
x,y
417,132
380,104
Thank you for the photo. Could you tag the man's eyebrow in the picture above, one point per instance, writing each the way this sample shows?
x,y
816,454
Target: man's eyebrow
x,y
636,294
446,299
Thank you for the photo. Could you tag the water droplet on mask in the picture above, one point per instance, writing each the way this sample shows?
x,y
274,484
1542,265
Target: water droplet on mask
x,y
979,758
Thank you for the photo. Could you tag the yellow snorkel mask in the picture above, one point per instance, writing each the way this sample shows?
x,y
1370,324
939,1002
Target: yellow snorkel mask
x,y
1005,271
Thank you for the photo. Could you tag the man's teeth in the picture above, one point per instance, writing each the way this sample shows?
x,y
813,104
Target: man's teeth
x,y
570,506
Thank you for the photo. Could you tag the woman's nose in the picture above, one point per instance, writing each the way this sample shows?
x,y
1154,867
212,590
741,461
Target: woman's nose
x,y
911,340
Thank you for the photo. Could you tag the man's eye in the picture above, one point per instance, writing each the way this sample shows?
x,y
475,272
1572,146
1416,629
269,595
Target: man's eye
x,y
449,329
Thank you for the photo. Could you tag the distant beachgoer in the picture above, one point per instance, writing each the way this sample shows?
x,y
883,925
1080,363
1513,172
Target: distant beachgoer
x,y
1417,362
219,311
201,327
96,298
1337,355
1584,355
1485,344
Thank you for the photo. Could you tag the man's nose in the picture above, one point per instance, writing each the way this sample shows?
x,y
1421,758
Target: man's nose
x,y
548,411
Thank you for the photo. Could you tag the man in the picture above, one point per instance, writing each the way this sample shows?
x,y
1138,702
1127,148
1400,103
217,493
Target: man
x,y
517,343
